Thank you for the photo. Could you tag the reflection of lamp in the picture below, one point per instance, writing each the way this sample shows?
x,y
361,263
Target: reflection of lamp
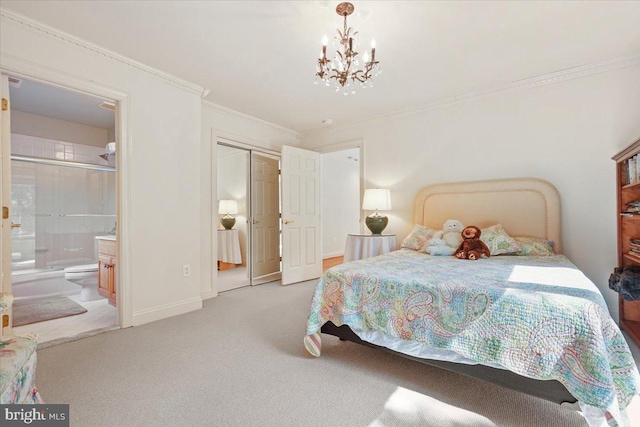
x,y
228,207
376,199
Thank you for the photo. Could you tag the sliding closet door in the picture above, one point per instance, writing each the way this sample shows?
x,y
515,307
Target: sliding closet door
x,y
234,256
265,214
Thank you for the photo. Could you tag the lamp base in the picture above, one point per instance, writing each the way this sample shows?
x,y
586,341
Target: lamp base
x,y
376,223
228,222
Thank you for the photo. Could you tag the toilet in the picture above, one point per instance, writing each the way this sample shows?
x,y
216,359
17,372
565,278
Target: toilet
x,y
87,277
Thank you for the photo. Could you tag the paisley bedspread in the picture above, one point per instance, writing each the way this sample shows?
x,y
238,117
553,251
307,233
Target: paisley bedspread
x,y
539,317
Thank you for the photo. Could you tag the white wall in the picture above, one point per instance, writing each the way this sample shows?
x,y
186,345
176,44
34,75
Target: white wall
x,y
222,123
564,132
163,143
340,199
60,130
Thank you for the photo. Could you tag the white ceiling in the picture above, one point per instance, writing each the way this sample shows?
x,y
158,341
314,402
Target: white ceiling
x,y
259,57
56,103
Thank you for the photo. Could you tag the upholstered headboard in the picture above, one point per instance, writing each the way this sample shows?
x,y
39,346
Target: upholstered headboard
x,y
524,206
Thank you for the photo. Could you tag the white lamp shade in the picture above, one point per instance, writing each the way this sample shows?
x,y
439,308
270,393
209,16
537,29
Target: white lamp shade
x,y
228,207
376,199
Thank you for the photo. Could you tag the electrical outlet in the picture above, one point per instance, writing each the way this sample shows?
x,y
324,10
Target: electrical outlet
x,y
186,270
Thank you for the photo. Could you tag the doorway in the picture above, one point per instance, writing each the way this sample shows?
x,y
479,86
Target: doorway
x,y
248,217
341,186
63,197
341,163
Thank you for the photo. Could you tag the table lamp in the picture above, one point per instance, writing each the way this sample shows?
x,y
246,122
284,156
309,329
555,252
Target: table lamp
x,y
228,207
378,199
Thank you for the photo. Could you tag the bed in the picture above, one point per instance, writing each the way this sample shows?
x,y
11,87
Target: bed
x,y
535,324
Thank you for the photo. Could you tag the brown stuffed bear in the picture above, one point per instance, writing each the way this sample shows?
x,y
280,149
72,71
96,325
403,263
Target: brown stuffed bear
x,y
472,247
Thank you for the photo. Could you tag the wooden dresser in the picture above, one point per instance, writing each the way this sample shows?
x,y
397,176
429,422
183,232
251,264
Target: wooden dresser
x,y
107,260
628,190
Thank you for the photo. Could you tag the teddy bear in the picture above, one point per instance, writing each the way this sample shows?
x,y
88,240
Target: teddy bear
x,y
445,241
472,247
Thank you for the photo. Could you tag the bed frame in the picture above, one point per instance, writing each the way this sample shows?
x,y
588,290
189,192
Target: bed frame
x,y
525,207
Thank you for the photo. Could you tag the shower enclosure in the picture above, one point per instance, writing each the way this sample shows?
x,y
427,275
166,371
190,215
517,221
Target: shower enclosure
x,y
60,207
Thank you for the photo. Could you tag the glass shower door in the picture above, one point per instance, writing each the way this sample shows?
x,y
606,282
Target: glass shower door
x,y
61,209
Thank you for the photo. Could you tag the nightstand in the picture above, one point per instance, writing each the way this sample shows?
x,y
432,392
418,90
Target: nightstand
x,y
361,246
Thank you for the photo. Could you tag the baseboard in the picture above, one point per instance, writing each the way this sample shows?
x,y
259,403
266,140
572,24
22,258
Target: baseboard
x,y
332,255
164,311
207,293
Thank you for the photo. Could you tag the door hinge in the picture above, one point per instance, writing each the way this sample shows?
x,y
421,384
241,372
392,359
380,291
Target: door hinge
x,y
5,212
5,320
279,172
5,104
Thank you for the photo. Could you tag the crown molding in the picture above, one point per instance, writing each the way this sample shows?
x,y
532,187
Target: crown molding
x,y
543,80
230,112
41,28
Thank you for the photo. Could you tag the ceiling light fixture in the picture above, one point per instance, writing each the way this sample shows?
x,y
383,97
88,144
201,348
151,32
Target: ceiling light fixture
x,y
345,66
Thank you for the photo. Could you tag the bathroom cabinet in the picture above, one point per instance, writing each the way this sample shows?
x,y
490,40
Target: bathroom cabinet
x,y
107,269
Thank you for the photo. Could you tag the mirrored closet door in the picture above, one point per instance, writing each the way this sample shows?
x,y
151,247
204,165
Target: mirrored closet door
x,y
233,211
265,213
248,217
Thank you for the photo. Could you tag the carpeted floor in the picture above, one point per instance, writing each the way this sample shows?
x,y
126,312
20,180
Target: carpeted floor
x,y
33,310
240,361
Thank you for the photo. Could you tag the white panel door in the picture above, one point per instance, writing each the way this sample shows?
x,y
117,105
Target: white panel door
x,y
265,213
301,256
5,195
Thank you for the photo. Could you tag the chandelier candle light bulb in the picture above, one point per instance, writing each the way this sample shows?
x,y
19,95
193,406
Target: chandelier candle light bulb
x,y
345,69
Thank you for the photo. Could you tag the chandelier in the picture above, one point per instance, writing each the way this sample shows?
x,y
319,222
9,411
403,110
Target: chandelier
x,y
345,67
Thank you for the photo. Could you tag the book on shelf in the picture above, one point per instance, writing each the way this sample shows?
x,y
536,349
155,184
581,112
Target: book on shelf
x,y
634,240
632,169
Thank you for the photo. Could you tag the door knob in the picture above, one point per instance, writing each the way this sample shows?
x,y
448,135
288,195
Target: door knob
x,y
286,221
255,221
15,225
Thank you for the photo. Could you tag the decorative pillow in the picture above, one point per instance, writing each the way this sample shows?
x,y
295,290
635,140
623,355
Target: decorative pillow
x,y
498,241
534,246
418,237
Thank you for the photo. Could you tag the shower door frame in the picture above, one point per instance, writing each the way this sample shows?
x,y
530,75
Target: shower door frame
x,y
22,69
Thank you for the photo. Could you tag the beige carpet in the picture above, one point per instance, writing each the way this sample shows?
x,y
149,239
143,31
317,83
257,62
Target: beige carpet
x,y
33,310
240,361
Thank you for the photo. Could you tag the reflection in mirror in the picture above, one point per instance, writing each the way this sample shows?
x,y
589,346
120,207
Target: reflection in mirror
x,y
265,207
233,211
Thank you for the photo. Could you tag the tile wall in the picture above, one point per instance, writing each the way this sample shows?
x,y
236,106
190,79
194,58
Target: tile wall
x,y
24,145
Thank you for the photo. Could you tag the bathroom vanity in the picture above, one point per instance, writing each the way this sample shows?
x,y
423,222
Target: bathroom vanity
x,y
107,261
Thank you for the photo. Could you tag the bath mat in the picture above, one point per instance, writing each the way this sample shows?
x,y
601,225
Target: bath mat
x,y
34,310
